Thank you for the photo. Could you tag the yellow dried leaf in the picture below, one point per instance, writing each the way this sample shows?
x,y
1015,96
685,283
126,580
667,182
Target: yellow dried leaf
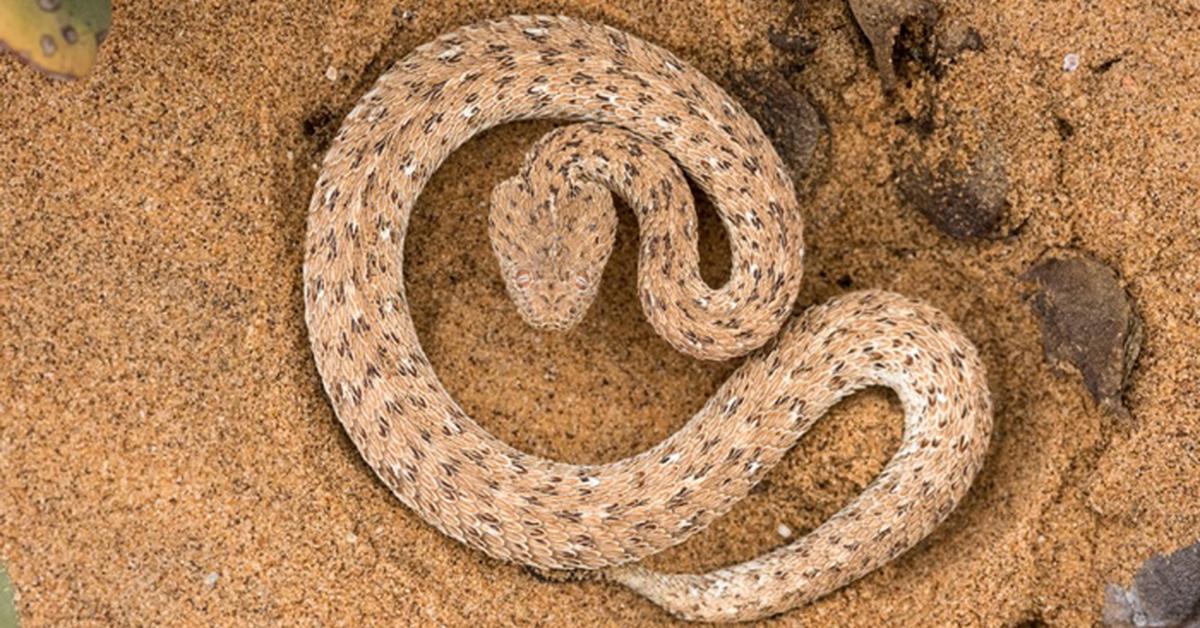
x,y
58,37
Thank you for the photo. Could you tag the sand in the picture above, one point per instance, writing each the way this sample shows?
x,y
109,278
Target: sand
x,y
167,454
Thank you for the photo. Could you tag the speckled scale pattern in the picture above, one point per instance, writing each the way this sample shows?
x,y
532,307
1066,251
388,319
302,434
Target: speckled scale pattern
x,y
553,227
635,97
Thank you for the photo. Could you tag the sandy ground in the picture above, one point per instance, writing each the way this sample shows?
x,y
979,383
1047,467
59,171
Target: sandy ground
x,y
166,451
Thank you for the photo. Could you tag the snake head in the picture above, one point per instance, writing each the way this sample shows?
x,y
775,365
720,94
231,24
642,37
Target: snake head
x,y
552,248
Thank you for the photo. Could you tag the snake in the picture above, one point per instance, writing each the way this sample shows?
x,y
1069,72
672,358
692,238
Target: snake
x,y
637,123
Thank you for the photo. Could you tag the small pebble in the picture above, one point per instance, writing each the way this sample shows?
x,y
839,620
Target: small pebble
x,y
331,73
1070,62
784,531
210,580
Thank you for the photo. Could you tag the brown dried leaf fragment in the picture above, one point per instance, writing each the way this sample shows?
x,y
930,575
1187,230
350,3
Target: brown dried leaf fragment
x,y
794,126
881,21
1165,592
1087,320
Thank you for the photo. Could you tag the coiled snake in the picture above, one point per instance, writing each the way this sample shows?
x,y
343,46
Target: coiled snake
x,y
552,229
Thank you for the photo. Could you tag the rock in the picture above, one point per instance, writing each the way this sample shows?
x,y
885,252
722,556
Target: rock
x,y
1087,321
794,126
961,203
1165,592
881,21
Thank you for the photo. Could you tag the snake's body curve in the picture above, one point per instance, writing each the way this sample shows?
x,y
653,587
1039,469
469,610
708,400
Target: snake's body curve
x,y
548,514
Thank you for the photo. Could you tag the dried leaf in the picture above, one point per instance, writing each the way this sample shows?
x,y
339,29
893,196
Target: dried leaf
x,y
1088,321
881,20
1165,592
787,117
58,37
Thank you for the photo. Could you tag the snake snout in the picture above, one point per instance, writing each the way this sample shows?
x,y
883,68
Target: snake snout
x,y
554,311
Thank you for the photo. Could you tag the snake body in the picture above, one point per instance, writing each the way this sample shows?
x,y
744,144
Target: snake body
x,y
646,114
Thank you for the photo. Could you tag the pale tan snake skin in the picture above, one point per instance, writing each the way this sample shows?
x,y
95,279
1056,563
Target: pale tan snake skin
x,y
552,231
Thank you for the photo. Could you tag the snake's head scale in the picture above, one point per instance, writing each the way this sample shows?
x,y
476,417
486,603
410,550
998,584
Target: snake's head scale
x,y
547,249
59,37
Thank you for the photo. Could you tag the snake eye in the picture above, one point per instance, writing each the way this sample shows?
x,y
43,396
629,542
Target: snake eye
x,y
522,278
581,283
